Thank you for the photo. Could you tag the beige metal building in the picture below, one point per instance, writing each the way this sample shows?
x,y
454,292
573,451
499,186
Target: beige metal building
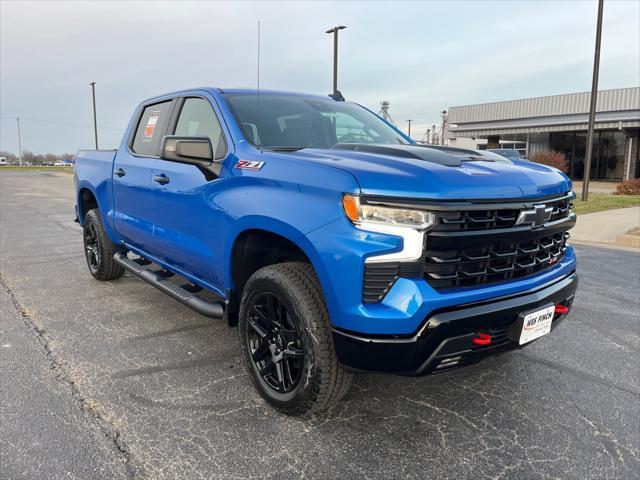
x,y
558,123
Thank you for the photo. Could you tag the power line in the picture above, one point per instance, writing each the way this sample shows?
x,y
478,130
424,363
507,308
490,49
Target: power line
x,y
57,122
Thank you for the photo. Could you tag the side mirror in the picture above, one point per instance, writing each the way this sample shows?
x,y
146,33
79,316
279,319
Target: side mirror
x,y
192,150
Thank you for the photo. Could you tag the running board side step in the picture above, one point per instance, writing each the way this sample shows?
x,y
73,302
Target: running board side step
x,y
200,305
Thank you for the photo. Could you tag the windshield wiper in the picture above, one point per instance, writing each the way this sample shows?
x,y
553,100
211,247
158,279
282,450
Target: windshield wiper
x,y
284,148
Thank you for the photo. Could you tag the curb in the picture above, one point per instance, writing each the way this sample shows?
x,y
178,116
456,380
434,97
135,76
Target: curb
x,y
632,241
609,245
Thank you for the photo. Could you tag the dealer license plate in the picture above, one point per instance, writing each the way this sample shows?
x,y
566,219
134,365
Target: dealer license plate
x,y
536,324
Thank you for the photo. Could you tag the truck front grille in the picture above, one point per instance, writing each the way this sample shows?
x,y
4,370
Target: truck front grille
x,y
478,245
493,262
499,218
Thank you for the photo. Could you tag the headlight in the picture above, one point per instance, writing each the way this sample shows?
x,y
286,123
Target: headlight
x,y
399,217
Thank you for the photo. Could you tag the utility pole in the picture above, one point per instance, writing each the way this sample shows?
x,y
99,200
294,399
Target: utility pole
x,y
19,142
444,124
95,123
592,107
335,30
409,130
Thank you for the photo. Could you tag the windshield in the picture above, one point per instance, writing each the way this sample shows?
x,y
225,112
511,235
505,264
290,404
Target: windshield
x,y
282,122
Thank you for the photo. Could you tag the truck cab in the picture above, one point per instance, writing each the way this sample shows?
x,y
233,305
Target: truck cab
x,y
333,242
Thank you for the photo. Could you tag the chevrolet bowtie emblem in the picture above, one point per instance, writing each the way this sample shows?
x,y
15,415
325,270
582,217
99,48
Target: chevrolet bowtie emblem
x,y
537,216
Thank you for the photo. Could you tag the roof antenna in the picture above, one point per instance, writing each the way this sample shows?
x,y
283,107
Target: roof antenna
x,y
258,95
337,96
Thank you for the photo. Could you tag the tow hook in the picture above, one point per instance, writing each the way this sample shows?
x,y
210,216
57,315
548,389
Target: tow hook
x,y
482,339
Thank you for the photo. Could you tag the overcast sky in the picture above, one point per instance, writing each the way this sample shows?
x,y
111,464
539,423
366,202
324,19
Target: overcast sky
x,y
421,56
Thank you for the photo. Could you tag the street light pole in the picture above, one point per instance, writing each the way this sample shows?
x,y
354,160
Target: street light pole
x,y
444,123
95,123
409,130
334,30
19,142
592,107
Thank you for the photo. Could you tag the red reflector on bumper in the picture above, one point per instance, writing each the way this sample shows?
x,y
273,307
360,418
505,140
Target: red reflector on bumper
x,y
481,339
561,309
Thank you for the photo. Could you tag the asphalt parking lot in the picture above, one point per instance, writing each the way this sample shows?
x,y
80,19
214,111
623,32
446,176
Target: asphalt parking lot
x,y
115,380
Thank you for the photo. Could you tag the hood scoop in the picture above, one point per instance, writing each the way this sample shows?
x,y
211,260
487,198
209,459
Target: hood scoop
x,y
446,156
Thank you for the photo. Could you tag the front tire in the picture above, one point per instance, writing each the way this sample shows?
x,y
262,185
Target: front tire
x,y
286,340
98,249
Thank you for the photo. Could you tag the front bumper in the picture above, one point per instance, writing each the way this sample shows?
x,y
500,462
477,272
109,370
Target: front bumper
x,y
338,252
444,340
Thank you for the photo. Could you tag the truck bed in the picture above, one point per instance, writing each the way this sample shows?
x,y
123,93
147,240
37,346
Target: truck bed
x,y
95,164
93,171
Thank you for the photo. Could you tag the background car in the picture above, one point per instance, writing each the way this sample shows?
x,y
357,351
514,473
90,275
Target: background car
x,y
509,153
490,155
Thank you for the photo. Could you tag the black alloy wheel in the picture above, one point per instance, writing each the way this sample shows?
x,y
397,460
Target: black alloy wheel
x,y
286,340
275,342
98,249
92,247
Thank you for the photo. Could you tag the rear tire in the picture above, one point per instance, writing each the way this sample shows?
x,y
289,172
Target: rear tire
x,y
98,249
290,356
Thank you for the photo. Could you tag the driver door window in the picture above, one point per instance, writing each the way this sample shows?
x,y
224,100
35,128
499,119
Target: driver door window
x,y
198,119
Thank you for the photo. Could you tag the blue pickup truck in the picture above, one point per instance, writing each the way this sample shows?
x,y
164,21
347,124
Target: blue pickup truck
x,y
334,242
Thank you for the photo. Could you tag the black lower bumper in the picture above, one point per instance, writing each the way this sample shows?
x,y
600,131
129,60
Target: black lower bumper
x,y
445,339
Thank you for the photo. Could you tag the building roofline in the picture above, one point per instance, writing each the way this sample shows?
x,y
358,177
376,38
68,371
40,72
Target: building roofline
x,y
612,100
542,97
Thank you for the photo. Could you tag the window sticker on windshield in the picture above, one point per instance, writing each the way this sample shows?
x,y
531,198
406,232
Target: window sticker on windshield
x,y
151,126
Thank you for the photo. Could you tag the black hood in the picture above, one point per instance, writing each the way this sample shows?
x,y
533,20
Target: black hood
x,y
446,156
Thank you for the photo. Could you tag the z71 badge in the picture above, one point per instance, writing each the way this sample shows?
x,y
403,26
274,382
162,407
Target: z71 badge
x,y
249,165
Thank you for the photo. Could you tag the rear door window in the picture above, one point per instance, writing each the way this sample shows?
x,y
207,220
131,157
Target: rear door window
x,y
151,128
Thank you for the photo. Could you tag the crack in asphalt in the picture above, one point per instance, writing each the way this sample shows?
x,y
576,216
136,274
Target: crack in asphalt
x,y
580,374
172,331
63,376
199,362
220,409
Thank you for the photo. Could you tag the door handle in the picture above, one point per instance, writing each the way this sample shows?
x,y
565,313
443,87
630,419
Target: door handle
x,y
120,172
161,179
